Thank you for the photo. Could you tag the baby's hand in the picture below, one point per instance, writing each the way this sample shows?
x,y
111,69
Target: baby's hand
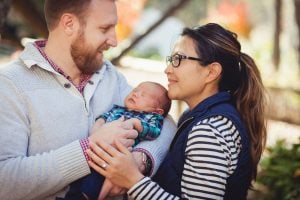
x,y
109,189
107,186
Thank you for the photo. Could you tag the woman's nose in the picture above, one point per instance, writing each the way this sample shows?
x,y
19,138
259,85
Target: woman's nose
x,y
168,69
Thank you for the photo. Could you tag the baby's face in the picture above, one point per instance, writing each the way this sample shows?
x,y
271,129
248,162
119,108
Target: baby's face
x,y
145,97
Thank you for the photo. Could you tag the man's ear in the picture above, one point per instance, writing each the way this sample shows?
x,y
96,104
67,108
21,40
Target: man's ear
x,y
69,23
215,70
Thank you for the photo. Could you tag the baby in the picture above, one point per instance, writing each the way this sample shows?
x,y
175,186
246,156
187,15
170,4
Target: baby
x,y
145,107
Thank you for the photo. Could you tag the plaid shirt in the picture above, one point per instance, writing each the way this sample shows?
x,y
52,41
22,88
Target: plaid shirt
x,y
151,122
84,78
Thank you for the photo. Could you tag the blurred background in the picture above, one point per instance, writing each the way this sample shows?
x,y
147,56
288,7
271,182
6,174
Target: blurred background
x,y
268,30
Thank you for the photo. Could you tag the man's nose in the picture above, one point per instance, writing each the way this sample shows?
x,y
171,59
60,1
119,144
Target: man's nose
x,y
112,38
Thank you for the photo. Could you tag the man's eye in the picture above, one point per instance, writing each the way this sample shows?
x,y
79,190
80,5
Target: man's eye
x,y
104,29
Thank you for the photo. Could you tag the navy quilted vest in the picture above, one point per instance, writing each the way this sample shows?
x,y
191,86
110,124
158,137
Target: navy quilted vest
x,y
169,174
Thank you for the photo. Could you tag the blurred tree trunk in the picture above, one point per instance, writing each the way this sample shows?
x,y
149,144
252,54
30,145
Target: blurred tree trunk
x,y
283,105
297,15
30,13
276,51
171,10
4,8
7,33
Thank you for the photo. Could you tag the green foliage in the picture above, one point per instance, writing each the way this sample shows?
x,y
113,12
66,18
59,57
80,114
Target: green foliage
x,y
280,172
190,14
151,53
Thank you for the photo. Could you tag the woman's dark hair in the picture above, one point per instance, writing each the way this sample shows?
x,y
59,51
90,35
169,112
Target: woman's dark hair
x,y
240,76
54,9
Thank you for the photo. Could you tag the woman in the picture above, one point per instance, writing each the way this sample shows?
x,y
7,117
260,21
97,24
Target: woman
x,y
219,141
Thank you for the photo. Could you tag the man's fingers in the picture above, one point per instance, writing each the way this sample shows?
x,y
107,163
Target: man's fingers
x,y
121,147
127,142
127,125
130,149
130,134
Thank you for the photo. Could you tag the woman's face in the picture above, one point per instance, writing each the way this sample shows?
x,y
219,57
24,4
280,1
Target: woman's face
x,y
187,82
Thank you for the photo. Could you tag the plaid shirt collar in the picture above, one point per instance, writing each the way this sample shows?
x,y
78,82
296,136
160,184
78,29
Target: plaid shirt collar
x,y
84,78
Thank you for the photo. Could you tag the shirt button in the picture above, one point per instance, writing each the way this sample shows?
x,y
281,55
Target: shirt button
x,y
91,82
67,85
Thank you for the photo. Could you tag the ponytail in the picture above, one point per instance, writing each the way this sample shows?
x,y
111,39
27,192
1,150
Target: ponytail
x,y
251,103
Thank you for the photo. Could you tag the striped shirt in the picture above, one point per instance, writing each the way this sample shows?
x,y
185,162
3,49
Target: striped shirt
x,y
212,153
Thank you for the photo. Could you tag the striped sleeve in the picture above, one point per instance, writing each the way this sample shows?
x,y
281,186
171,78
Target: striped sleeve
x,y
211,157
147,189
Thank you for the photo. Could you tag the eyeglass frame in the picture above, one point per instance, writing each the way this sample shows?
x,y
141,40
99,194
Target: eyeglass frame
x,y
169,59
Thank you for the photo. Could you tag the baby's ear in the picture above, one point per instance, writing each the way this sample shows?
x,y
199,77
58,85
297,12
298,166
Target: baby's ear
x,y
159,111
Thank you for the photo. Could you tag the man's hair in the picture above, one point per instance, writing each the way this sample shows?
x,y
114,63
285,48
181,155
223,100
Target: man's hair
x,y
54,9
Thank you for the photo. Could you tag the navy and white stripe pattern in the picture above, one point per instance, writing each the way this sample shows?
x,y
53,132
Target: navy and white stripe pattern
x,y
212,153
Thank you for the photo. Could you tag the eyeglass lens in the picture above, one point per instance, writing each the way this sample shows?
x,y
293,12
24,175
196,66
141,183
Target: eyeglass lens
x,y
174,60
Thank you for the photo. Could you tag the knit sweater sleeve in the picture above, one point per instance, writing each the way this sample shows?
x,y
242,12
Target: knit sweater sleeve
x,y
25,176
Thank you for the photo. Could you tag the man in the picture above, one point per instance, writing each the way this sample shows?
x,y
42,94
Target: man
x,y
51,96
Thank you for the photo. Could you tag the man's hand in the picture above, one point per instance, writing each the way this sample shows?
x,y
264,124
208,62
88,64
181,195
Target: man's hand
x,y
136,123
97,125
116,130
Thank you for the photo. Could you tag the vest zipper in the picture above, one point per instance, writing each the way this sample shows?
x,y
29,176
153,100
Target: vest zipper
x,y
178,129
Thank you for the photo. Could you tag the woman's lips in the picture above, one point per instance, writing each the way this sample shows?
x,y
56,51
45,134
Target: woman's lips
x,y
171,81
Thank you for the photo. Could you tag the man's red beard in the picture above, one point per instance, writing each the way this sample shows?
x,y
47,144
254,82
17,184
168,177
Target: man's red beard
x,y
84,57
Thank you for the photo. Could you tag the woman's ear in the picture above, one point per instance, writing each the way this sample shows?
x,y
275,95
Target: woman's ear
x,y
215,70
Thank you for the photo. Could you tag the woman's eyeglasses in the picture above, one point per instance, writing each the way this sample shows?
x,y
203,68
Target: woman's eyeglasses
x,y
176,59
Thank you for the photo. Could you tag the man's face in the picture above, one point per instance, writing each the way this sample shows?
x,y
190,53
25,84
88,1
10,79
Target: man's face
x,y
96,35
